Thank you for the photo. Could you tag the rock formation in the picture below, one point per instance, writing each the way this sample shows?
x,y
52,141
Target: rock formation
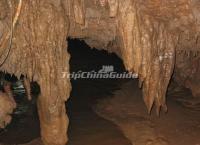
x,y
147,35
7,106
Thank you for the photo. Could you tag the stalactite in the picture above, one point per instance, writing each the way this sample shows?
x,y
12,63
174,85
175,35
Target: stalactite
x,y
113,7
79,11
147,35
148,50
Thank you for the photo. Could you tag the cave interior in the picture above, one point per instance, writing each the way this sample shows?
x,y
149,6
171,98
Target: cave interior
x,y
47,48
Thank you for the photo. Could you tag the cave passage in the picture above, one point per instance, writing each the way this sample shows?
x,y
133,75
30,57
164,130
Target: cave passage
x,y
24,126
86,127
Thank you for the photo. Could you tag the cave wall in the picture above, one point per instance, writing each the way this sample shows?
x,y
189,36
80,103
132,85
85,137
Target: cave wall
x,y
149,36
187,72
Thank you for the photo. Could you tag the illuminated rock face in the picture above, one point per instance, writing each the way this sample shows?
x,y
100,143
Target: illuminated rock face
x,y
147,35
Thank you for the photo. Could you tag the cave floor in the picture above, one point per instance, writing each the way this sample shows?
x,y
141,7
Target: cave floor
x,y
180,126
86,127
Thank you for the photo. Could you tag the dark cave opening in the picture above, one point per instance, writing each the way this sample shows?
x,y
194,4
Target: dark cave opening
x,y
85,126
